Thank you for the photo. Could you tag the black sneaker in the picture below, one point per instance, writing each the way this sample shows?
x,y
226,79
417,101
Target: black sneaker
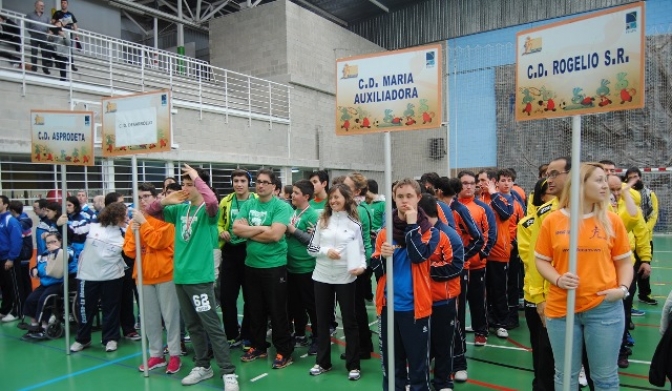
x,y
312,350
623,361
46,71
648,300
74,68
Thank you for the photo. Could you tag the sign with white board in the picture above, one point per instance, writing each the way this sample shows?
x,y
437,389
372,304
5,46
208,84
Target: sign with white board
x,y
587,65
138,123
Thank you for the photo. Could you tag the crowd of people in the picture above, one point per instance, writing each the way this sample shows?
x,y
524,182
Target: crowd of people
x,y
298,252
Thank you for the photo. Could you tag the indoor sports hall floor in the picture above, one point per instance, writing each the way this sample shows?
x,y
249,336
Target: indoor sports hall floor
x,y
501,365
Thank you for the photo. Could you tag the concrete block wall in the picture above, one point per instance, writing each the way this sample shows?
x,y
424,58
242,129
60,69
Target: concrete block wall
x,y
303,51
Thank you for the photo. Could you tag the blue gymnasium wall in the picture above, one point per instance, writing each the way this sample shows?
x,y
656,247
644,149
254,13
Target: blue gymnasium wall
x,y
473,139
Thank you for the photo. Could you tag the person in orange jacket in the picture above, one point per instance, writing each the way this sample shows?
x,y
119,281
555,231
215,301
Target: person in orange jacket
x,y
157,240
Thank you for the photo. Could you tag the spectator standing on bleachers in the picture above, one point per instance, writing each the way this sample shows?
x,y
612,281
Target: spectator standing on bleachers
x,y
10,34
61,43
67,20
38,37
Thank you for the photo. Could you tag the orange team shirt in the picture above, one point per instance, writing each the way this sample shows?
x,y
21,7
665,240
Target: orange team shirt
x,y
481,220
501,251
594,263
520,192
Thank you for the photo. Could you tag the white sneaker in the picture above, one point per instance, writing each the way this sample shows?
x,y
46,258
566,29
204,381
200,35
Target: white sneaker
x,y
78,347
461,376
9,318
197,375
230,382
354,375
111,346
502,333
583,381
446,389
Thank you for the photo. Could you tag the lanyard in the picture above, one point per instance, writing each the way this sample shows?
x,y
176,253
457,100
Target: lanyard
x,y
189,221
298,217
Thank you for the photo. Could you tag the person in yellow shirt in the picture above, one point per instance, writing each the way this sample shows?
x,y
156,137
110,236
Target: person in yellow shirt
x,y
534,287
649,205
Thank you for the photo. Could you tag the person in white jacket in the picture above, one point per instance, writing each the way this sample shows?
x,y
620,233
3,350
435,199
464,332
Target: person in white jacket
x,y
101,276
339,251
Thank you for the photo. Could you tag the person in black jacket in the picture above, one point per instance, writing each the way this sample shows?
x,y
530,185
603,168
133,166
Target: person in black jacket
x,y
10,34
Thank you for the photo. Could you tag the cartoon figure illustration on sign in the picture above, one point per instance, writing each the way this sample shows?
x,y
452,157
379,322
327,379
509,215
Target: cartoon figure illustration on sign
x,y
622,84
546,100
350,71
409,113
426,114
527,101
603,92
345,117
362,120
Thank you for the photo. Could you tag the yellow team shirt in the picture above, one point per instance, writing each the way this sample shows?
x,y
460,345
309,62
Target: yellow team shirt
x,y
596,255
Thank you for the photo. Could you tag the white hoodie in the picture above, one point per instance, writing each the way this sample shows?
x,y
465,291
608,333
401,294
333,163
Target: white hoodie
x,y
341,232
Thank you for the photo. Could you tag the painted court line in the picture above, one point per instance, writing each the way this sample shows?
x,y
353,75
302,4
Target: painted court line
x,y
83,371
263,375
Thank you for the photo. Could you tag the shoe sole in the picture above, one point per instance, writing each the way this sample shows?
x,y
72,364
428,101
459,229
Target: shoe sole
x,y
319,373
172,371
83,347
243,359
154,367
203,378
648,302
288,363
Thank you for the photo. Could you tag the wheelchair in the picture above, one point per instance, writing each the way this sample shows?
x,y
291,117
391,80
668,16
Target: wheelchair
x,y
55,303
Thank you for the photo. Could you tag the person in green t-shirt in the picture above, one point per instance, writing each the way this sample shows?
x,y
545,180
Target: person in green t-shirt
x,y
320,181
300,265
234,251
263,222
194,273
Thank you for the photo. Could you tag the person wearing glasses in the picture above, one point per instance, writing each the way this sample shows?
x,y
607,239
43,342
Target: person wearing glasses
x,y
601,281
263,222
534,288
472,279
157,240
49,270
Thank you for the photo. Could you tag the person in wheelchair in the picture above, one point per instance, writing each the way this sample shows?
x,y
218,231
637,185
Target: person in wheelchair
x,y
49,270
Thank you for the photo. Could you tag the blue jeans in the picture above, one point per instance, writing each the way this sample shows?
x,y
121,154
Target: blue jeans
x,y
602,329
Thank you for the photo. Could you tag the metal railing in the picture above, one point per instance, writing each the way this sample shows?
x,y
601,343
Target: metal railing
x,y
111,66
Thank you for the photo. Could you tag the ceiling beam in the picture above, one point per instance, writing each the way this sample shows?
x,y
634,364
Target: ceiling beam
x,y
135,22
322,12
153,12
215,10
380,5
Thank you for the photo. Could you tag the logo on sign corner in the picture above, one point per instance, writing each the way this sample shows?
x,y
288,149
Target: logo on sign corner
x,y
532,45
430,59
631,22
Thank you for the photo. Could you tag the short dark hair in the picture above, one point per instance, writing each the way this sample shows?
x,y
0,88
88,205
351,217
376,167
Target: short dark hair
x,y
372,185
146,186
429,177
507,173
492,174
111,198
56,207
16,206
428,204
444,185
568,162
466,172
75,202
241,172
174,187
322,175
288,189
42,203
203,174
4,199
513,171
607,161
456,184
278,183
268,172
633,170
542,169
305,187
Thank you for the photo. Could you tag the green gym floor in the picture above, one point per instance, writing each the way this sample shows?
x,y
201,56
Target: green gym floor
x,y
501,365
